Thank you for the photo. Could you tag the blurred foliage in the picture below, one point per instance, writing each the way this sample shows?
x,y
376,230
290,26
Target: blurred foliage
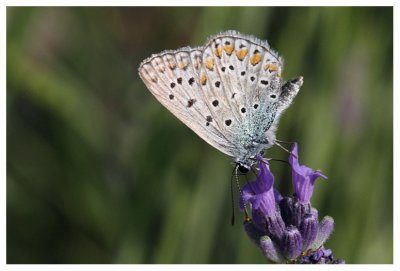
x,y
99,172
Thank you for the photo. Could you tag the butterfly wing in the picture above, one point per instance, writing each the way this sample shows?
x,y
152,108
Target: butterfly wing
x,y
250,87
173,78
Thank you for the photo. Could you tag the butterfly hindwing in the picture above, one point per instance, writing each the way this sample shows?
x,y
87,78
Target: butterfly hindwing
x,y
249,75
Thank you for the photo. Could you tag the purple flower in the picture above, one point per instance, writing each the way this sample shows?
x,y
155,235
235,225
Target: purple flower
x,y
260,193
303,177
287,229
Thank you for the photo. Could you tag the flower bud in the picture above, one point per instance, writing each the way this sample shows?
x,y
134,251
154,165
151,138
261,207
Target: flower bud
x,y
308,229
291,243
324,231
270,251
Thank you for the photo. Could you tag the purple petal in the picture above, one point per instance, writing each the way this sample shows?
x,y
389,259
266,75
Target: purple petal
x,y
260,193
303,177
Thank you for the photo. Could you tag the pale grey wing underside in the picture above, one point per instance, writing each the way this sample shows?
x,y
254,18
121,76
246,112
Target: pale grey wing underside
x,y
228,92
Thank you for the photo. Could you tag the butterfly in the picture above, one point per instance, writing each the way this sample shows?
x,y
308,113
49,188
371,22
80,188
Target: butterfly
x,y
229,92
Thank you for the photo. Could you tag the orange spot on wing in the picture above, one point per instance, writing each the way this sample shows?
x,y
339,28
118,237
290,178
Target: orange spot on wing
x,y
255,59
210,63
183,65
241,54
228,49
271,67
203,79
218,52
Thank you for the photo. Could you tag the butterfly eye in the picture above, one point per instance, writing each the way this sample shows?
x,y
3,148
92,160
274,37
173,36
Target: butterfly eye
x,y
243,110
273,96
243,169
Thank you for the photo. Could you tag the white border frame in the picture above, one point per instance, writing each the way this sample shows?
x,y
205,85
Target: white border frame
x,y
396,176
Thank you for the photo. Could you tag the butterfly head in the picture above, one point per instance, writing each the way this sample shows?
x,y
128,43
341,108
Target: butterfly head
x,y
244,166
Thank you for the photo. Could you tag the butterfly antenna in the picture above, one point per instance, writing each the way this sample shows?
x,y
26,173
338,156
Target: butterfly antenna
x,y
284,142
279,160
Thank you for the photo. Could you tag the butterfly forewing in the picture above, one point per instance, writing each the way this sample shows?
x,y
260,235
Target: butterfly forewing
x,y
173,78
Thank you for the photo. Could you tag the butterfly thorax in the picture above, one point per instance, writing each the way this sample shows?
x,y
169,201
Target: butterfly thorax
x,y
256,146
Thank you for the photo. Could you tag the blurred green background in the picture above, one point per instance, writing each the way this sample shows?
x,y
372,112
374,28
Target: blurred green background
x,y
99,172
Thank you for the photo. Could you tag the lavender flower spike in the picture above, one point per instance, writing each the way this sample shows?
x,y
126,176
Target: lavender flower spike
x,y
287,229
303,177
